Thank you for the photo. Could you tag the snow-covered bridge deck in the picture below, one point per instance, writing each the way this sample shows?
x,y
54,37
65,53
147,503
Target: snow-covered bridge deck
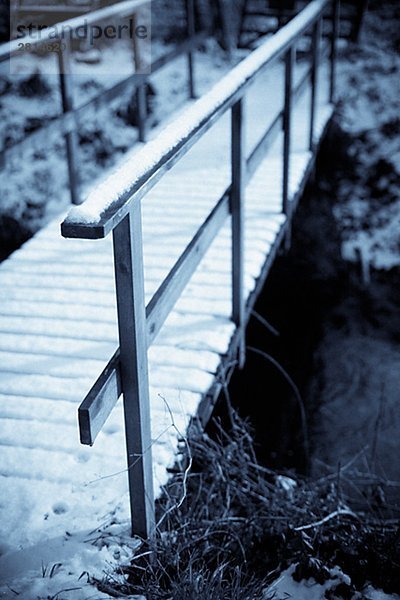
x,y
58,324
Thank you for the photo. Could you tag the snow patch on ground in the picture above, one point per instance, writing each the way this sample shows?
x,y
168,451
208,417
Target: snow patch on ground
x,y
286,587
368,211
65,567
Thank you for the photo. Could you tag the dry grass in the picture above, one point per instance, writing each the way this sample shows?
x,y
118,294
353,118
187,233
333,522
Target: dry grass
x,y
234,525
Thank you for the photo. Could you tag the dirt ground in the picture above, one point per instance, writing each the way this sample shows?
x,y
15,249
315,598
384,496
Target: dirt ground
x,y
356,388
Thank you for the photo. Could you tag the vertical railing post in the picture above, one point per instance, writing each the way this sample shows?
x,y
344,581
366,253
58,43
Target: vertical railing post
x,y
315,45
361,7
141,85
141,105
190,24
333,57
67,98
237,211
287,118
129,277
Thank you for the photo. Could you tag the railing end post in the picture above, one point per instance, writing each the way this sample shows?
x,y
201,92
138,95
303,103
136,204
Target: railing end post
x,y
287,118
238,173
334,39
129,279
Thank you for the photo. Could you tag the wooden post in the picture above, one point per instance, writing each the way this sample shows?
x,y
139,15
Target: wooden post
x,y
361,9
190,24
141,85
334,37
141,104
315,44
287,117
67,97
226,12
129,277
237,209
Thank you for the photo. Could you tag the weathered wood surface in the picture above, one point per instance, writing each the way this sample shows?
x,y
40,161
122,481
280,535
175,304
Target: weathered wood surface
x,y
129,277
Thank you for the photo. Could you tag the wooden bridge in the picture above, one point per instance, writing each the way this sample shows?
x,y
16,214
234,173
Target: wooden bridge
x,y
157,314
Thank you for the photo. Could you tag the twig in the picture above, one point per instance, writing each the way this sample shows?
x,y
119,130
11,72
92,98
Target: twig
x,y
344,468
377,427
332,515
338,488
187,470
138,458
266,323
297,395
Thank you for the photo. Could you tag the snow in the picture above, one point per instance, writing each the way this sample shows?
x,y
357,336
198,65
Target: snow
x,y
368,211
286,587
39,406
62,565
125,180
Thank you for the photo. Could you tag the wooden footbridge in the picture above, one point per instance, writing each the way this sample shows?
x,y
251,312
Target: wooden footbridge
x,y
142,311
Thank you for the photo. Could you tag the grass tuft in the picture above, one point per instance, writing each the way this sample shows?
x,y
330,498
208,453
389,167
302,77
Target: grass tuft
x,y
229,526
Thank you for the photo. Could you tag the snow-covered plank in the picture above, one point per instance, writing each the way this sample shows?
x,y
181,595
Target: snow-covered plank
x,y
50,345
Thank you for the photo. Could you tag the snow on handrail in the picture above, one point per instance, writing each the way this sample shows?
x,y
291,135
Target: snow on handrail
x,y
47,35
110,201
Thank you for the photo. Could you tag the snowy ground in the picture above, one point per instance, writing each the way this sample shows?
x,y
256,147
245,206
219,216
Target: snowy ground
x,y
357,362
369,85
286,587
362,359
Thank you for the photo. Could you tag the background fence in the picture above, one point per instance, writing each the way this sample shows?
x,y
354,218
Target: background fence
x,y
68,121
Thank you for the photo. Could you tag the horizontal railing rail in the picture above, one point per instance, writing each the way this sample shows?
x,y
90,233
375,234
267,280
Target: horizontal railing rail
x,y
67,122
31,9
115,206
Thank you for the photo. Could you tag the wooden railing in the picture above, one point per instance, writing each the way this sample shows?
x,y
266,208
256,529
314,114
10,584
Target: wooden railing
x,y
55,10
68,121
115,206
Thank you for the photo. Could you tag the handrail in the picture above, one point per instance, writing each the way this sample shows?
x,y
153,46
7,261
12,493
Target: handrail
x,y
115,206
107,205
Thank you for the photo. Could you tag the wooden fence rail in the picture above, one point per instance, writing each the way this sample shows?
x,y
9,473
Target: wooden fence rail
x,y
116,206
68,121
